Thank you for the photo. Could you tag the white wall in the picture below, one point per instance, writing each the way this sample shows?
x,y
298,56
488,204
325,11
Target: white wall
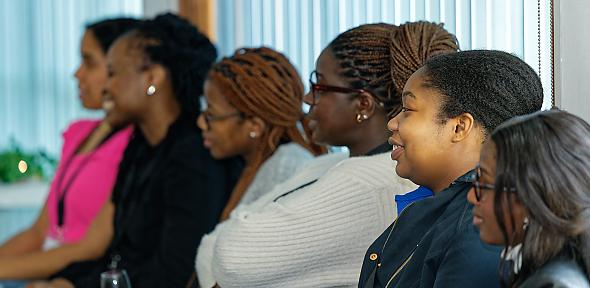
x,y
572,36
154,7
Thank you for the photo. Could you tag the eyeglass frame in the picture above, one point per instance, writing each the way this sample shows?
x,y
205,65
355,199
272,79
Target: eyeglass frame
x,y
478,186
215,118
315,87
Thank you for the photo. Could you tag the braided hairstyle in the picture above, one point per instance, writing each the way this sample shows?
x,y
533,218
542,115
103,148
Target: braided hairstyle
x,y
381,57
262,82
491,85
107,31
183,51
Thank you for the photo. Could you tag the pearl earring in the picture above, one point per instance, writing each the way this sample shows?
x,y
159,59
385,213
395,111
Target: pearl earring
x,y
252,134
361,117
151,90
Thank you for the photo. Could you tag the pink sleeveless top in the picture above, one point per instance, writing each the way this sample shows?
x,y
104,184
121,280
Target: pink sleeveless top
x,y
88,179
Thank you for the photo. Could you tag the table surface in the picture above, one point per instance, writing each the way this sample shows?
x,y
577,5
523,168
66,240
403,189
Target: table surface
x,y
27,194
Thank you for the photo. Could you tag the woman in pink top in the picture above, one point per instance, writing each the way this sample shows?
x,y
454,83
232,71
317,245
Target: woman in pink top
x,y
83,182
85,176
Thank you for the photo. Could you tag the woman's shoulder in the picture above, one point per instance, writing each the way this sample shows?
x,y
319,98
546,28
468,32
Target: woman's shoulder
x,y
291,152
558,273
376,169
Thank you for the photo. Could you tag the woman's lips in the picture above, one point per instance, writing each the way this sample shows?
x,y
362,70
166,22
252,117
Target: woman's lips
x,y
397,152
398,149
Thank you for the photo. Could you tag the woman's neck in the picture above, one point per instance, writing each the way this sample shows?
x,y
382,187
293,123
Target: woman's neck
x,y
155,125
95,138
364,144
456,165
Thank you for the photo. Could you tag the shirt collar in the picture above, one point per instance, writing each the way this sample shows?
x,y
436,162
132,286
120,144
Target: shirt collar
x,y
513,255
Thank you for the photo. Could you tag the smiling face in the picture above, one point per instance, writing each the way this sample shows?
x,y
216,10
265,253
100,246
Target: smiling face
x,y
125,100
421,141
227,133
92,72
484,217
332,118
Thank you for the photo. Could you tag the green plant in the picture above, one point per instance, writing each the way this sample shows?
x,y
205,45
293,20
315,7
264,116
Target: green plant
x,y
38,164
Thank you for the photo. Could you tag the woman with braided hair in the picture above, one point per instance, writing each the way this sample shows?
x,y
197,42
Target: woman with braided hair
x,y
312,230
169,190
254,103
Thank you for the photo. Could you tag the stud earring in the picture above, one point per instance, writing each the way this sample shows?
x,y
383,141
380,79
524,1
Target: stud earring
x,y
151,90
361,117
252,135
525,223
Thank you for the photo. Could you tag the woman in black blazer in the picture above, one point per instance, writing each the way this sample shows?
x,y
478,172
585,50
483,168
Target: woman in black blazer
x,y
532,195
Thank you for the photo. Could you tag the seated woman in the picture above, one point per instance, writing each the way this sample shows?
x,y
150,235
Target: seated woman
x,y
536,202
86,173
254,101
169,190
313,229
450,106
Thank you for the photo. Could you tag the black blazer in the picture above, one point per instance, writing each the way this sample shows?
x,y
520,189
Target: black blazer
x,y
166,197
433,244
558,273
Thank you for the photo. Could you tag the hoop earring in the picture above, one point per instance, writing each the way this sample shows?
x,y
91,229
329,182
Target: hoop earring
x,y
361,117
151,90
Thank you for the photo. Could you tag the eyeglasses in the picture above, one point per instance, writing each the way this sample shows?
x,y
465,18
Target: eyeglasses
x,y
213,118
316,89
478,186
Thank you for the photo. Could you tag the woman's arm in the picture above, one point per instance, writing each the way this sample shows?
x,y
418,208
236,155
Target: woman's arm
x,y
42,264
29,240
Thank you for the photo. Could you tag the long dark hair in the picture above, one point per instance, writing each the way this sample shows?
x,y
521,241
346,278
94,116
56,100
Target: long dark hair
x,y
546,157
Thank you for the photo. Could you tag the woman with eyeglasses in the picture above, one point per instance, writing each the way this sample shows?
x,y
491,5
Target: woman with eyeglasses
x,y
536,202
313,229
450,106
254,104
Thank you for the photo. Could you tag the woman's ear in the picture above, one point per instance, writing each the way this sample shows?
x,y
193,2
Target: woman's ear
x,y
463,125
156,75
366,105
256,126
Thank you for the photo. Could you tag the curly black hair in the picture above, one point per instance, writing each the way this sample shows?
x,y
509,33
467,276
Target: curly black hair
x,y
185,52
108,30
493,86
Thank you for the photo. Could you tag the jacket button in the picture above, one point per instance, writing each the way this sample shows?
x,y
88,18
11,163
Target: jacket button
x,y
373,256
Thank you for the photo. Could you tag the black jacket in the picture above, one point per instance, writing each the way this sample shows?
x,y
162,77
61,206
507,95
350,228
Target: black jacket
x,y
559,273
433,244
166,197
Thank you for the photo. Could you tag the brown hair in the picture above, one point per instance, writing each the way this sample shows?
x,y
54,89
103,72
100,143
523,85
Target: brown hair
x,y
381,57
262,82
